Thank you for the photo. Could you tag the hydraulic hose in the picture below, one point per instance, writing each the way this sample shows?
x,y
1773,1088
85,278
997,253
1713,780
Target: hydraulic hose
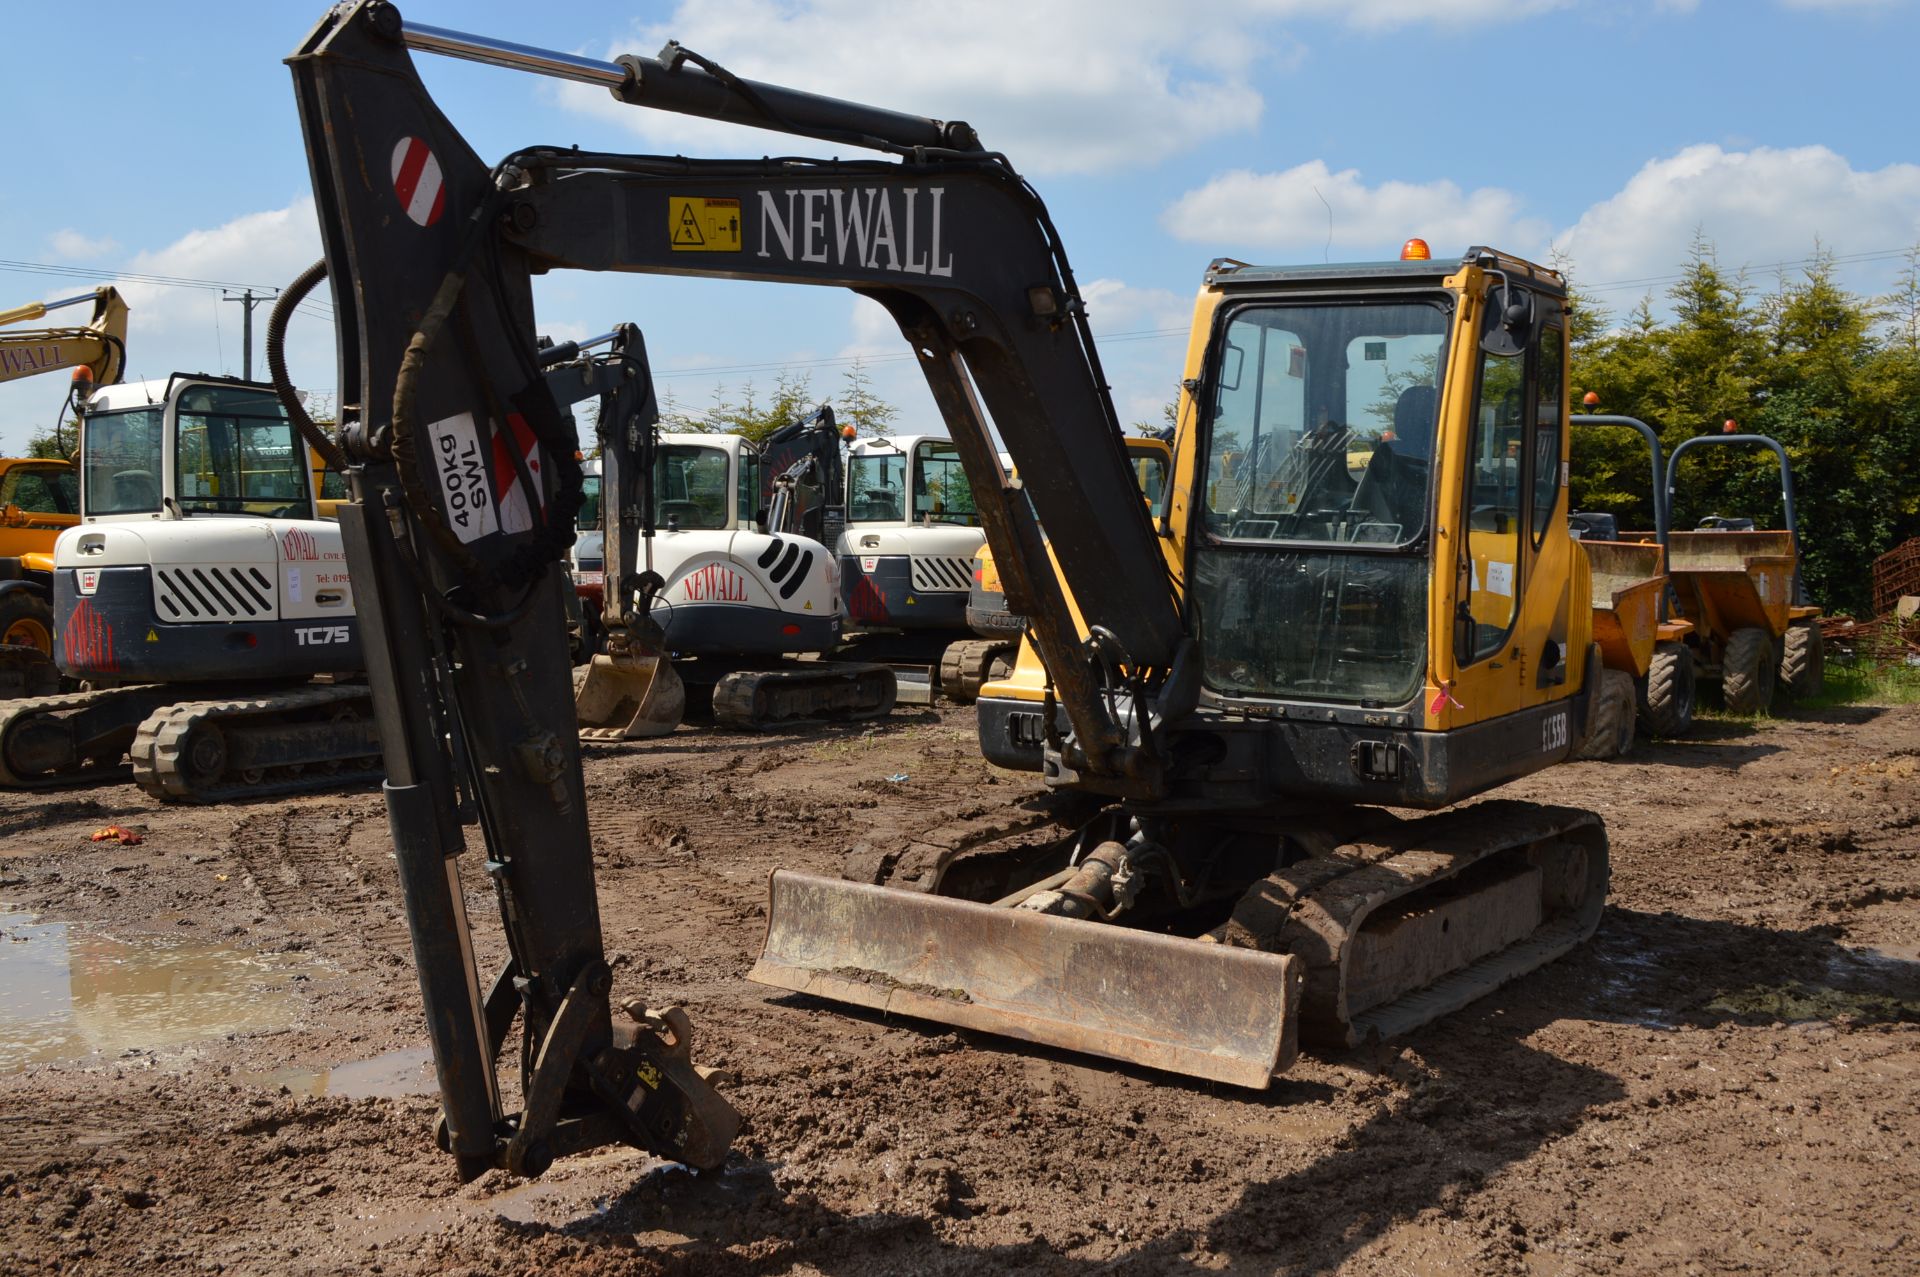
x,y
277,318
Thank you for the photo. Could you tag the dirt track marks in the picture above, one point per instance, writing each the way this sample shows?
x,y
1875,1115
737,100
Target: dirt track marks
x,y
319,869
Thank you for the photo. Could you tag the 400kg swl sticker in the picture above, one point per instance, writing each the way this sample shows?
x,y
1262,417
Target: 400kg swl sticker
x,y
464,487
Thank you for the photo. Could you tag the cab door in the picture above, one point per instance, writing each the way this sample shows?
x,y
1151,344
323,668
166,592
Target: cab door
x,y
1513,606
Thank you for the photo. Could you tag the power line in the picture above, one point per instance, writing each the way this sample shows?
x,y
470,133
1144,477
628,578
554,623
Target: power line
x,y
166,281
1838,259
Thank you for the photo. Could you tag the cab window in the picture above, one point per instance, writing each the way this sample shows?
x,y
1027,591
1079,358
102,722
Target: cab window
x,y
876,488
690,488
941,493
41,489
120,454
236,454
1546,432
1150,472
1495,466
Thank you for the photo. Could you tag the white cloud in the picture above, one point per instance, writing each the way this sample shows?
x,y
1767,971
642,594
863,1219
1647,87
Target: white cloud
x,y
72,245
173,329
1309,208
1063,86
1759,206
874,331
1114,306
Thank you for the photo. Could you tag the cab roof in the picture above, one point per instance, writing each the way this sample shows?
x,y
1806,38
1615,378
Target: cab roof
x,y
1226,272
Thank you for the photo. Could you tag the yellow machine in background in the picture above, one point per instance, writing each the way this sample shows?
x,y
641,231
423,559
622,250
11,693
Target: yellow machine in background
x,y
39,498
1000,628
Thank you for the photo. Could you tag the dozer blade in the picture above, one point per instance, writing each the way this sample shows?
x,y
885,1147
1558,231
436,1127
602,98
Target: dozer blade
x,y
629,697
1205,1010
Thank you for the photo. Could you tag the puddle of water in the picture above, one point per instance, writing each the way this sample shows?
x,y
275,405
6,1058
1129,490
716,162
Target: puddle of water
x,y
408,1071
66,992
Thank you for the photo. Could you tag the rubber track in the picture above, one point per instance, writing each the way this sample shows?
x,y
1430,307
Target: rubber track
x,y
157,757
965,666
1040,818
1314,907
801,695
11,712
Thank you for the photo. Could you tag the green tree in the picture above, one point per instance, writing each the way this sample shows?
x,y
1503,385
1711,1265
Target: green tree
x,y
1169,420
1833,376
860,407
675,418
55,443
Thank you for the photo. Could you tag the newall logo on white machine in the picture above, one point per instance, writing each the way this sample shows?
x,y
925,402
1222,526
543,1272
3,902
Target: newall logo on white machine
x,y
321,635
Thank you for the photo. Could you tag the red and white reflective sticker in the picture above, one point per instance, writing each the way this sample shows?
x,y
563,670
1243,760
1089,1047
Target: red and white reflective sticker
x,y
416,181
89,580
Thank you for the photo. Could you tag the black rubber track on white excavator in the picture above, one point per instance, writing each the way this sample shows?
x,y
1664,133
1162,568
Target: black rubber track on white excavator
x,y
303,741
807,692
37,729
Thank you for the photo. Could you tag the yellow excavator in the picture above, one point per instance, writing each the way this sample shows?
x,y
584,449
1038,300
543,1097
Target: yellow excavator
x,y
1360,598
39,497
99,346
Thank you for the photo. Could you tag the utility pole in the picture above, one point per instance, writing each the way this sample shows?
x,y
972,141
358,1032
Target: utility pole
x,y
248,300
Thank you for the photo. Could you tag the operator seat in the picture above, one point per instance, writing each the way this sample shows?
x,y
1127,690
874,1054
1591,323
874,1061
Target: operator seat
x,y
1393,490
136,490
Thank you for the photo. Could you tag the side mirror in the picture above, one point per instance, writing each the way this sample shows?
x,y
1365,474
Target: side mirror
x,y
1511,327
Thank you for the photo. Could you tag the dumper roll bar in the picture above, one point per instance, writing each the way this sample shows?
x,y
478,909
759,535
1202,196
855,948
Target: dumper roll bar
x,y
1786,490
1661,512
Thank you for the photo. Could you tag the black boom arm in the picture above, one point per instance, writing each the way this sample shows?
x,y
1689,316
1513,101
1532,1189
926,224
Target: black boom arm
x,y
466,484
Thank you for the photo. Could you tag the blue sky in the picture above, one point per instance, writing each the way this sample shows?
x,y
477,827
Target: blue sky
x,y
164,142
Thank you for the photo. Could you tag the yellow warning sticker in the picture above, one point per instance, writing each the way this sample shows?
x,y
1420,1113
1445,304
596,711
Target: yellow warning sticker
x,y
152,637
699,225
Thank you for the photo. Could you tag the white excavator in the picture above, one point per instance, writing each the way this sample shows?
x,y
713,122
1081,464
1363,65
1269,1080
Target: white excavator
x,y
201,605
687,553
906,564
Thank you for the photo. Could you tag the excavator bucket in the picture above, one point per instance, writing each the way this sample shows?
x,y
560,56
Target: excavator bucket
x,y
629,696
1206,1010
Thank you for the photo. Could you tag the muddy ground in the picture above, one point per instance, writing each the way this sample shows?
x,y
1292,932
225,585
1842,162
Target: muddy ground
x,y
213,1050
